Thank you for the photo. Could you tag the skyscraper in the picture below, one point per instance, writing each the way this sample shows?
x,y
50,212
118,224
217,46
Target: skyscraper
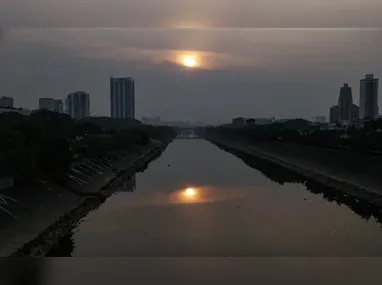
x,y
345,112
6,101
345,103
368,106
78,104
354,112
334,114
122,97
51,104
58,106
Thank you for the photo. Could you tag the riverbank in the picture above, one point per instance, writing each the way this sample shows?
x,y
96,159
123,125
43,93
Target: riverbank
x,y
49,214
314,164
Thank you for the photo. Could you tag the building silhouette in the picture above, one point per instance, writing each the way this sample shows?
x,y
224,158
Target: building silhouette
x,y
345,103
354,112
122,97
368,106
6,101
334,116
345,112
51,104
77,104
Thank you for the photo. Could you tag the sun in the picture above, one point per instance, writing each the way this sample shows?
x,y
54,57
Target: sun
x,y
190,192
189,61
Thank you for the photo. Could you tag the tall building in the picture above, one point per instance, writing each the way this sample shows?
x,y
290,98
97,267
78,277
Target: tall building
x,y
345,112
59,106
354,112
51,104
368,106
6,101
334,114
77,104
122,97
345,103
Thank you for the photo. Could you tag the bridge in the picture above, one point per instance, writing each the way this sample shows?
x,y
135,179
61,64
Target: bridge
x,y
189,132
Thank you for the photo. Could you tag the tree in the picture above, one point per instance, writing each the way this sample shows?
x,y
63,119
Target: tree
x,y
83,128
55,157
143,137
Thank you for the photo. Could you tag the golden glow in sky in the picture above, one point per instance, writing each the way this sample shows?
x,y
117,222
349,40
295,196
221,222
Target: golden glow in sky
x,y
190,192
189,61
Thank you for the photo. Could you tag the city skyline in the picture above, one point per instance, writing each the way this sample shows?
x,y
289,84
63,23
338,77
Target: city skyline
x,y
336,111
223,58
190,128
345,112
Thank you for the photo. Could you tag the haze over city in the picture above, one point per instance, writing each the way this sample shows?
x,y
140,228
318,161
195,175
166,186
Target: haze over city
x,y
159,141
251,58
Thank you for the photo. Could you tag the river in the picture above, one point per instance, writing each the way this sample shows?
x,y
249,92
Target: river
x,y
197,200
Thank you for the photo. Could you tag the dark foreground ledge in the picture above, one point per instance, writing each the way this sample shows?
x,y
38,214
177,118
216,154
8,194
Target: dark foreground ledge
x,y
51,236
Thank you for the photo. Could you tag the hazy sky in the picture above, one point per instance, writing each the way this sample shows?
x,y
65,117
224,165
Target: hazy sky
x,y
257,58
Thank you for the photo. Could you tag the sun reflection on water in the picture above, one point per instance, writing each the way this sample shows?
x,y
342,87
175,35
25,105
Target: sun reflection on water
x,y
187,195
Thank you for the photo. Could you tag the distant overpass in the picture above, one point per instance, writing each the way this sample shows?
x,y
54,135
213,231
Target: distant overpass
x,y
189,132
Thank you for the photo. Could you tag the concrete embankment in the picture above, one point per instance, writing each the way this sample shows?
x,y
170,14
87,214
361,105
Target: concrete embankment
x,y
37,226
303,165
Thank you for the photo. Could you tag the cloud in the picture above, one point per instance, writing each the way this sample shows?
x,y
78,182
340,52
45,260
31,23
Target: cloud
x,y
259,72
196,13
217,49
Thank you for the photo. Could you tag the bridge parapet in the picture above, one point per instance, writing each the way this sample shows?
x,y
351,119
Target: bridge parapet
x,y
189,133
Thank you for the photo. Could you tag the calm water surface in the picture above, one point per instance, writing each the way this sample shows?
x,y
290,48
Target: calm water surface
x,y
197,200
